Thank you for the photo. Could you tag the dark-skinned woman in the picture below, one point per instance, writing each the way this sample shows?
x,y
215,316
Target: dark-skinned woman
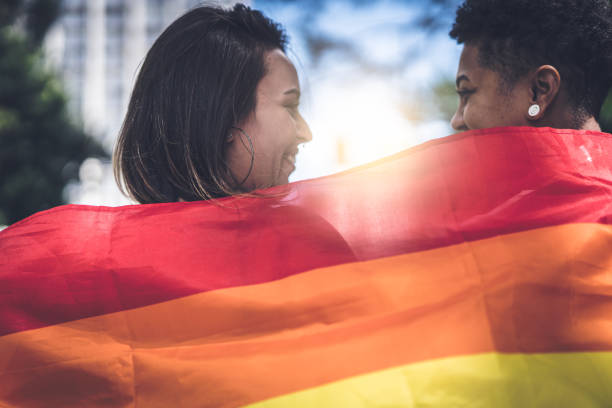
x,y
533,63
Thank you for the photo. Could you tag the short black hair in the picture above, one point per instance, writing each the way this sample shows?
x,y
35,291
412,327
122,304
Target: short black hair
x,y
198,80
516,36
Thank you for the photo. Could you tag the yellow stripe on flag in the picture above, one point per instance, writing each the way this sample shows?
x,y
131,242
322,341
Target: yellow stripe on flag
x,y
496,380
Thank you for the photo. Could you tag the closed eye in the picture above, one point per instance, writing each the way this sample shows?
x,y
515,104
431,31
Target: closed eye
x,y
464,93
293,108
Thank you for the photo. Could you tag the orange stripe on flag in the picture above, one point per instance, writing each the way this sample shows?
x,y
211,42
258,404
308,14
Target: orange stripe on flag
x,y
539,291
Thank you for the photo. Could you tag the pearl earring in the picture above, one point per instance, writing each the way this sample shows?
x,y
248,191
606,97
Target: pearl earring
x,y
534,110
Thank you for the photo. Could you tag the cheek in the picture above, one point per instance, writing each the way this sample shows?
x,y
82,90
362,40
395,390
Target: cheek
x,y
273,134
269,148
281,133
479,114
494,109
471,116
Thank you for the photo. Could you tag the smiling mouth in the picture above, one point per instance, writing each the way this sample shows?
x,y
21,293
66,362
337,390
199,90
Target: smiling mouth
x,y
290,158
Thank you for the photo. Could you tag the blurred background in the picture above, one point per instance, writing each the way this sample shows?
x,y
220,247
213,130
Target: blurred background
x,y
377,78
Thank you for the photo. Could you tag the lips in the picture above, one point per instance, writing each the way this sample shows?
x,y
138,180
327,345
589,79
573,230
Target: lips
x,y
289,158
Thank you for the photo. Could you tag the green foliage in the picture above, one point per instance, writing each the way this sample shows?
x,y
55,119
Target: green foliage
x,y
605,118
40,148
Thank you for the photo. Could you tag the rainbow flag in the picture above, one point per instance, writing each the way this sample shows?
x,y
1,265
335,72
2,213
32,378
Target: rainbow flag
x,y
470,271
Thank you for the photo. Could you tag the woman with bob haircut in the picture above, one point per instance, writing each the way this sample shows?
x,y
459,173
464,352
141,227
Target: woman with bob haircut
x,y
535,63
214,111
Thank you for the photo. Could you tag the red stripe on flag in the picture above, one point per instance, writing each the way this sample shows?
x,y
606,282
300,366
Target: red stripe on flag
x,y
78,261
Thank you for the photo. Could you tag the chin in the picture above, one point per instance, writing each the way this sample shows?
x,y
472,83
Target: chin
x,y
282,180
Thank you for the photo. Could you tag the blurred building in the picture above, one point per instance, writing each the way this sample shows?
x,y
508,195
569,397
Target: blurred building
x,y
97,46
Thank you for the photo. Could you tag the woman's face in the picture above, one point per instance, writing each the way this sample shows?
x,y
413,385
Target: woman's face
x,y
484,101
275,128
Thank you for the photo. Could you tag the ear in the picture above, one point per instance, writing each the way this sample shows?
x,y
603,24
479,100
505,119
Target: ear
x,y
545,85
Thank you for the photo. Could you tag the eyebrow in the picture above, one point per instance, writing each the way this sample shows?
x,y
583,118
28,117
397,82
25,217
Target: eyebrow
x,y
460,78
294,91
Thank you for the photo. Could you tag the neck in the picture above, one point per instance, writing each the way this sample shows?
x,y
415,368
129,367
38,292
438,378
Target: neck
x,y
591,124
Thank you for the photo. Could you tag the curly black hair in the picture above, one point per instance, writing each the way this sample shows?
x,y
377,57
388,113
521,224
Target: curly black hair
x,y
516,36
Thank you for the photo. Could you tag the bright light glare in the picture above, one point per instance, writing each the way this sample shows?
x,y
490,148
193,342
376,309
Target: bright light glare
x,y
356,123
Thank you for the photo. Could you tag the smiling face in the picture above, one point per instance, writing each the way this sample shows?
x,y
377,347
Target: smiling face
x,y
275,128
484,100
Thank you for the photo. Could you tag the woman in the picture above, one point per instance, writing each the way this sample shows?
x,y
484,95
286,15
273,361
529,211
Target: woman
x,y
214,111
533,63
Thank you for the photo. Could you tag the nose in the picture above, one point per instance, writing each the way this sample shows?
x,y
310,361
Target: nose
x,y
457,121
303,131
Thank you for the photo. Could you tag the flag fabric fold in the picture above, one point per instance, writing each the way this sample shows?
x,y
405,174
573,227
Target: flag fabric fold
x,y
472,270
